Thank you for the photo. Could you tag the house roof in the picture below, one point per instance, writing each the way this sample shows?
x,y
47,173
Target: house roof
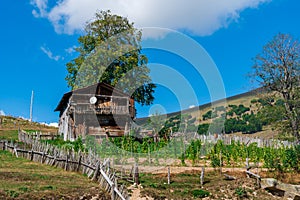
x,y
64,100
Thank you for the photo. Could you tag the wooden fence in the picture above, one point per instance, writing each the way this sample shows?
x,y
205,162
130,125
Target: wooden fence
x,y
86,163
24,136
228,139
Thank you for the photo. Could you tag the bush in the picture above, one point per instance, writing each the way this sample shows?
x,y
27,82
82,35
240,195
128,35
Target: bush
x,y
209,115
215,161
203,128
200,193
240,192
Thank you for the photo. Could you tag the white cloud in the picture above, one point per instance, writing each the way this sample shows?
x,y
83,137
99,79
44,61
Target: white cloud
x,y
70,50
41,8
200,17
2,113
192,106
54,124
24,118
50,54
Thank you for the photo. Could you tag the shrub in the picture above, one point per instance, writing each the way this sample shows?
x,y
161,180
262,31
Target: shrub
x,y
240,192
200,193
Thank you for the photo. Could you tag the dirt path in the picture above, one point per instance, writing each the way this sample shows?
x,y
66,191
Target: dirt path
x,y
136,193
178,169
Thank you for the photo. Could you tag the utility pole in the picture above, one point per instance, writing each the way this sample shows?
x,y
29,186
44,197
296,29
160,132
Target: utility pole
x,y
31,102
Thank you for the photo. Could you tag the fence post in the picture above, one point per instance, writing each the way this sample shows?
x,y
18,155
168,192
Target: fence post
x,y
31,155
79,162
96,171
113,196
221,162
247,167
66,164
149,155
54,159
247,164
136,173
19,134
202,176
15,151
43,155
169,175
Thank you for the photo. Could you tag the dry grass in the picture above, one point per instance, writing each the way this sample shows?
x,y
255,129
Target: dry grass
x,y
12,123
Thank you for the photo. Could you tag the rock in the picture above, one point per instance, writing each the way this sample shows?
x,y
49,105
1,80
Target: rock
x,y
288,191
95,197
268,182
82,197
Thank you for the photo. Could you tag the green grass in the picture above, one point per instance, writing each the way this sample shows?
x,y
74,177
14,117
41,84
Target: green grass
x,y
9,135
21,178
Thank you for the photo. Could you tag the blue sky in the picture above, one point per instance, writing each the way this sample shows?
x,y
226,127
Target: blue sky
x,y
38,38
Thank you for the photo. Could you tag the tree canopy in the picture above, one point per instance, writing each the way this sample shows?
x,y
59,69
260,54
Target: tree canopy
x,y
110,52
277,68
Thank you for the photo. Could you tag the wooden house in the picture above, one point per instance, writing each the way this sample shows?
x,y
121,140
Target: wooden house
x,y
99,110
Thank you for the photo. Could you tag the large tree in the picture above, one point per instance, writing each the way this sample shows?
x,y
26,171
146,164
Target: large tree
x,y
110,52
277,68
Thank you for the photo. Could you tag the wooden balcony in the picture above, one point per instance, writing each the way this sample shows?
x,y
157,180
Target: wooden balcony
x,y
91,109
105,105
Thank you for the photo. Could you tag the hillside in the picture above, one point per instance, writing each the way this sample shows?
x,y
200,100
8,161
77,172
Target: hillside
x,y
9,127
244,98
226,108
14,123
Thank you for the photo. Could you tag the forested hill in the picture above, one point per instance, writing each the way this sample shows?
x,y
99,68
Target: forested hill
x,y
244,99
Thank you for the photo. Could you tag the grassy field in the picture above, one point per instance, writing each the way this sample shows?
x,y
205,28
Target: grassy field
x,y
22,179
9,135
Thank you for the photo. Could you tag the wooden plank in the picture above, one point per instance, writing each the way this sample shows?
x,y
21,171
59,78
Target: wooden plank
x,y
228,177
254,175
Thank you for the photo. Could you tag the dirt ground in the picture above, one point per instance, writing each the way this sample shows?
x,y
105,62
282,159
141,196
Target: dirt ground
x,y
186,179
